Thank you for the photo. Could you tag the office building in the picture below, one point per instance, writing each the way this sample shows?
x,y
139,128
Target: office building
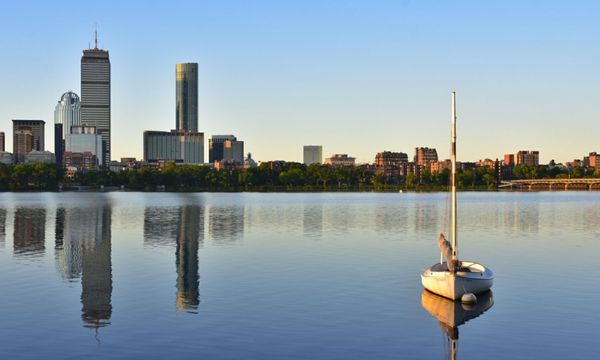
x,y
216,147
67,112
22,143
95,95
179,146
313,154
233,151
186,96
425,155
339,160
28,135
2,141
85,139
529,158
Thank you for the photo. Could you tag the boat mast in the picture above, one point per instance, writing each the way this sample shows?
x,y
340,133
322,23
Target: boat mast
x,y
453,179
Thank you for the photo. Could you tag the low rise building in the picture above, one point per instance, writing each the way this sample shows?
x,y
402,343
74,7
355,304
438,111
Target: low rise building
x,y
393,164
509,160
594,161
527,157
486,163
6,158
575,163
36,156
424,156
340,160
80,161
439,166
249,162
179,146
84,139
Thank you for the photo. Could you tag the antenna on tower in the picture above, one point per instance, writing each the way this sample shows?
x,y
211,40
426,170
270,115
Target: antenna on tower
x,y
96,37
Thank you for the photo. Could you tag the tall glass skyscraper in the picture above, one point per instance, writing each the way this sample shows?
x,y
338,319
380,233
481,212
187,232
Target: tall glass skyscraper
x,y
68,112
186,94
95,95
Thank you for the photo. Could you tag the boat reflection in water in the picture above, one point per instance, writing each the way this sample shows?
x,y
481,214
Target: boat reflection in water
x,y
452,314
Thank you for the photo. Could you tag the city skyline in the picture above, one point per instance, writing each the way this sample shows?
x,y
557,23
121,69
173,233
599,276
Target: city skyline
x,y
356,77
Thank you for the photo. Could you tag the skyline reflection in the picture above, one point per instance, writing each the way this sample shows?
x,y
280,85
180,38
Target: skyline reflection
x,y
189,235
182,227
225,224
29,232
83,250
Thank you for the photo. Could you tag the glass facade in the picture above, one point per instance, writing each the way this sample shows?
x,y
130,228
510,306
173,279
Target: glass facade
x,y
186,95
68,112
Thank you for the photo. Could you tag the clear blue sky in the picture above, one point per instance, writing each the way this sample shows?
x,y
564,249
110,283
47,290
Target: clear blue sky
x,y
357,77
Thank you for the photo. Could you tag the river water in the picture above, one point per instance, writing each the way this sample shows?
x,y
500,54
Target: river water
x,y
291,276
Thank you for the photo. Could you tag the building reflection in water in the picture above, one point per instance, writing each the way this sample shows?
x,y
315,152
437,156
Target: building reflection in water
x,y
184,227
186,258
427,216
312,220
83,250
225,224
2,228
452,314
29,232
161,224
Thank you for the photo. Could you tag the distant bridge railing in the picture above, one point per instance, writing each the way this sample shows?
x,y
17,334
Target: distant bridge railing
x,y
552,184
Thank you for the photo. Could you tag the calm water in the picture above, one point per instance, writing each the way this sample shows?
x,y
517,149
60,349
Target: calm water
x,y
290,276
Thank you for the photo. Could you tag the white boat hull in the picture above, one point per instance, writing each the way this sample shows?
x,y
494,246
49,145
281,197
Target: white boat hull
x,y
453,285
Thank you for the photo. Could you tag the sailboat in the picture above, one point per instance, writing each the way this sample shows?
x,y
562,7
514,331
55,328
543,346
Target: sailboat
x,y
452,314
454,278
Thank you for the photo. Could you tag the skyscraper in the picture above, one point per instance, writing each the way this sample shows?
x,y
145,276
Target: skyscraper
x,y
2,141
186,94
67,112
95,95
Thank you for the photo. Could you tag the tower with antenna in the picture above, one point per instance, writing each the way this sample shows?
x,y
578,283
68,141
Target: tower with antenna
x,y
95,95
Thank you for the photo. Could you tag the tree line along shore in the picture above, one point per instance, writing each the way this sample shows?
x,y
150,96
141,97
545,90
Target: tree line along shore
x,y
289,176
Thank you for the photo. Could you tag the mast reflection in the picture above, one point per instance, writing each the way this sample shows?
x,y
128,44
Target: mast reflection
x,y
83,249
452,314
2,228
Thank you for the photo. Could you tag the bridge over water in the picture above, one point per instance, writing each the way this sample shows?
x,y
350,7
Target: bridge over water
x,y
552,184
